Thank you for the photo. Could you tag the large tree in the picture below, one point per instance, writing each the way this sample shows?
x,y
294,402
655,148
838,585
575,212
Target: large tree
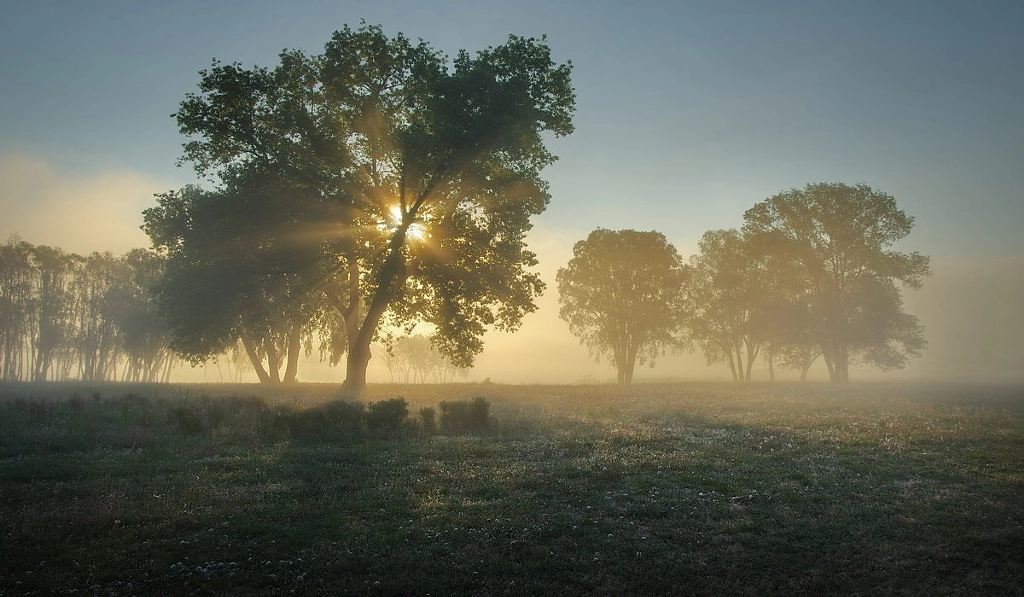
x,y
839,238
620,295
17,308
416,177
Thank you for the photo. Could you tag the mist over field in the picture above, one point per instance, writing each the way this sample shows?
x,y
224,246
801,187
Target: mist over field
x,y
725,108
649,489
969,307
624,298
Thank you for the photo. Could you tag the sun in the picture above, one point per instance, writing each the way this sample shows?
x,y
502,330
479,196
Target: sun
x,y
417,231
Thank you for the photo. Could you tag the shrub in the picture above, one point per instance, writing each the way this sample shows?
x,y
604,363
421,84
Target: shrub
x,y
427,420
272,422
193,418
332,419
76,404
460,416
387,413
40,411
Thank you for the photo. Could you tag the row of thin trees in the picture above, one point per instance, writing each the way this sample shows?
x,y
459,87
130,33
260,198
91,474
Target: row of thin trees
x,y
66,316
414,359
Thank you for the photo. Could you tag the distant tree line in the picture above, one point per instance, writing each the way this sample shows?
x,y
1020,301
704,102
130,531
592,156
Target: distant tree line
x,y
415,359
811,274
66,316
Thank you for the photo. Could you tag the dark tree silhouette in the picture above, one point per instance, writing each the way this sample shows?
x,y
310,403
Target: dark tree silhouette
x,y
237,271
54,292
620,295
412,175
145,335
16,308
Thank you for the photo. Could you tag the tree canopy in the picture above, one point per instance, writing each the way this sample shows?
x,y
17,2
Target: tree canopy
x,y
379,179
620,295
729,300
838,239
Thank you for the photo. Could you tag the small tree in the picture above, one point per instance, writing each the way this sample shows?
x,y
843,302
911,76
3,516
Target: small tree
x,y
414,358
729,301
620,295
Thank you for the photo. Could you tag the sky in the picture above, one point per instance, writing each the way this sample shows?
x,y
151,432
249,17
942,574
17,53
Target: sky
x,y
688,113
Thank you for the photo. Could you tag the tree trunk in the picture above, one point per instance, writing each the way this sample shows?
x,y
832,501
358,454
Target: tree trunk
x,y
740,369
355,368
294,348
830,363
751,357
393,276
732,366
843,366
257,363
273,359
630,366
167,368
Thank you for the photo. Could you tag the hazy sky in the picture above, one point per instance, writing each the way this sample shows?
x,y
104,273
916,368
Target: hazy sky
x,y
688,114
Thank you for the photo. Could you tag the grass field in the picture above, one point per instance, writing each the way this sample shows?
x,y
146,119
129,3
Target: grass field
x,y
573,490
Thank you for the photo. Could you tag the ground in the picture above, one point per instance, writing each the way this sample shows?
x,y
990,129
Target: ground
x,y
755,489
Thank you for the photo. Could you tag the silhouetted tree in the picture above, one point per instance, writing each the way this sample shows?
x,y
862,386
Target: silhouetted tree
x,y
145,335
730,301
620,294
839,238
237,269
796,332
55,273
95,316
415,359
17,308
413,176
63,315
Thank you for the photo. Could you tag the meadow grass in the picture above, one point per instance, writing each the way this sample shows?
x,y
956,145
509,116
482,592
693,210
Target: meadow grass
x,y
684,489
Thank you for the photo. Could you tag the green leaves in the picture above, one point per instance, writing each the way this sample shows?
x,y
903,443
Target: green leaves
x,y
413,175
620,295
839,236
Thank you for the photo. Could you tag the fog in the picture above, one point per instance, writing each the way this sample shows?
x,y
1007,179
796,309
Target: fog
x,y
81,213
970,307
970,310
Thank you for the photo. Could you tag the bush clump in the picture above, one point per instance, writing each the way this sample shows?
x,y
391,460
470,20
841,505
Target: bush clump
x,y
389,414
428,420
461,416
335,418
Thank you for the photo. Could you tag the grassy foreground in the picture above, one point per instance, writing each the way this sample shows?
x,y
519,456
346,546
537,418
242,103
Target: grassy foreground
x,y
654,489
